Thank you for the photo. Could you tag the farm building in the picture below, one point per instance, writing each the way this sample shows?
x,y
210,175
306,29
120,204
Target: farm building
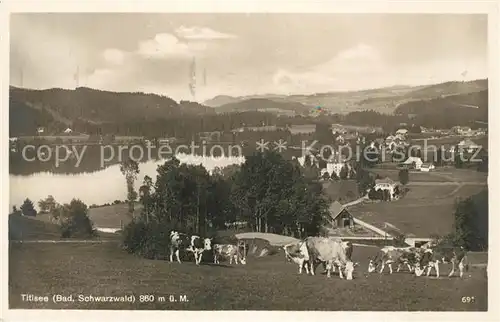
x,y
210,136
426,167
468,145
402,131
462,130
336,167
417,162
340,216
386,184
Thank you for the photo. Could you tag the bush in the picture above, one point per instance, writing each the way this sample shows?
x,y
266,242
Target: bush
x,y
376,194
150,240
75,221
404,176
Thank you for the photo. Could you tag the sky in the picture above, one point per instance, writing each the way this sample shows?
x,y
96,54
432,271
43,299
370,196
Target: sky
x,y
244,54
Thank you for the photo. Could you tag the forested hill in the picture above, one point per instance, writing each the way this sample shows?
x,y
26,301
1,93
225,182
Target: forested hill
x,y
448,111
96,106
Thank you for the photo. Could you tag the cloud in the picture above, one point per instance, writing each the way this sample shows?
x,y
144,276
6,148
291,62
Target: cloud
x,y
355,67
201,33
363,66
114,56
163,45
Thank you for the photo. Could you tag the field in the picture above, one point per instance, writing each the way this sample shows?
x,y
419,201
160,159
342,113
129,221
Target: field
x,y
452,140
265,283
423,212
113,216
39,228
447,174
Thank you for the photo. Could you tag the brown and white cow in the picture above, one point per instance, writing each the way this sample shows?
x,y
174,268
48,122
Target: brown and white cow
x,y
332,252
389,255
231,252
297,253
178,241
199,245
432,257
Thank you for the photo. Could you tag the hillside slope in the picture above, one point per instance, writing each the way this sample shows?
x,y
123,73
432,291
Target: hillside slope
x,y
470,106
43,107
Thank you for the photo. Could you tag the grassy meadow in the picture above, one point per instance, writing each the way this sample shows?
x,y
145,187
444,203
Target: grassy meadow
x,y
265,283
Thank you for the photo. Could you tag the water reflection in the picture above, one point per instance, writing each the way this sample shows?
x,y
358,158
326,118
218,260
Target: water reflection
x,y
94,187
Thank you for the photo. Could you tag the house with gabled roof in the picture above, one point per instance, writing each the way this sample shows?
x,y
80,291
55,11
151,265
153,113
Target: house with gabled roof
x,y
417,162
340,217
386,184
468,145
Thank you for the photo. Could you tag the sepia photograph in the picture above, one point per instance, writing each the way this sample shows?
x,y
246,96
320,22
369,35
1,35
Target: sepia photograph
x,y
261,161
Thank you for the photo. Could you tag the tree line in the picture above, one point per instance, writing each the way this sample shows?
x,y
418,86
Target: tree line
x,y
267,192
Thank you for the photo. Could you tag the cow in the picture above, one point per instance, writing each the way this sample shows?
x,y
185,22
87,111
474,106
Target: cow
x,y
297,252
332,252
198,245
432,257
230,251
389,255
178,241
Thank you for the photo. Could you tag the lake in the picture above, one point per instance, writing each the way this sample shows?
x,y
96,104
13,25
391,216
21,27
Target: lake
x,y
98,187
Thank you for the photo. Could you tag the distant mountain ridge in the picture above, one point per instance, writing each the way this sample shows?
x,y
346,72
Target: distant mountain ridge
x,y
60,108
384,100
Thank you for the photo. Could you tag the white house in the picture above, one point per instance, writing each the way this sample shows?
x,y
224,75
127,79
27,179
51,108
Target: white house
x,y
463,130
468,145
40,130
426,167
336,167
386,184
68,130
417,161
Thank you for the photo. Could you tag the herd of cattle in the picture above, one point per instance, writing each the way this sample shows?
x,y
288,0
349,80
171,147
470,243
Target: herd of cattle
x,y
332,253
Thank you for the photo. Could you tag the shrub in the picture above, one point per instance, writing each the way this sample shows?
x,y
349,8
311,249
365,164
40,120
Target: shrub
x,y
404,176
150,240
376,194
75,221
